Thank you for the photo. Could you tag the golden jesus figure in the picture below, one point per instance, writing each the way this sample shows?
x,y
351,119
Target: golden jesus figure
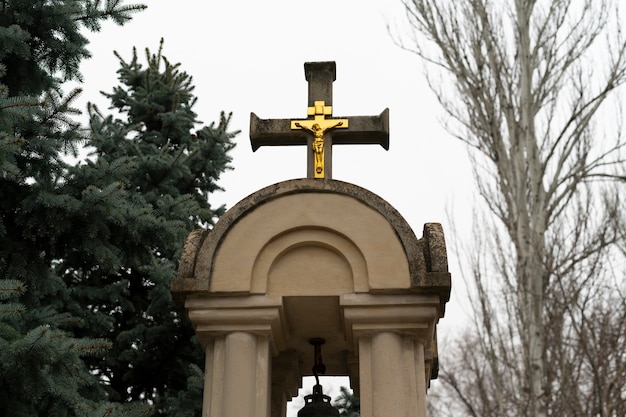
x,y
318,142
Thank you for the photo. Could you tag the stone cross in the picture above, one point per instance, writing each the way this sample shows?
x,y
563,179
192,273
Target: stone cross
x,y
320,130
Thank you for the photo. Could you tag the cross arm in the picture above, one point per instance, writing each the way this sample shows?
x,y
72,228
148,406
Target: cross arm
x,y
274,132
365,130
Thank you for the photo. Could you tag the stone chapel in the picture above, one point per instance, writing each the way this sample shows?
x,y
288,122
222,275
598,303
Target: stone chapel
x,y
315,259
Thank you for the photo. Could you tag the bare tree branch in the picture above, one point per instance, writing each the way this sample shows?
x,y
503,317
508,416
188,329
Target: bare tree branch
x,y
524,83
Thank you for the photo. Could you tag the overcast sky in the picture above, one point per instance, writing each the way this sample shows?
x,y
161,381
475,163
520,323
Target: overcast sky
x,y
248,55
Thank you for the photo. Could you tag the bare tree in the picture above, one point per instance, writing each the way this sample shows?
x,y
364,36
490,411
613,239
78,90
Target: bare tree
x,y
526,84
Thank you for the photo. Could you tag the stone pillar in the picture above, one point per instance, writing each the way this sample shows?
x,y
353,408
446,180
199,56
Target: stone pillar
x,y
239,335
391,334
236,366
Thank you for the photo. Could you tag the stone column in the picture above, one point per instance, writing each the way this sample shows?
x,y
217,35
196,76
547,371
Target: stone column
x,y
236,366
391,334
239,335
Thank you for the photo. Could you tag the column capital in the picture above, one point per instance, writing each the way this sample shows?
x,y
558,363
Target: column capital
x,y
260,315
407,314
410,315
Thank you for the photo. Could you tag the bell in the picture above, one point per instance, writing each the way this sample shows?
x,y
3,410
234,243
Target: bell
x,y
317,405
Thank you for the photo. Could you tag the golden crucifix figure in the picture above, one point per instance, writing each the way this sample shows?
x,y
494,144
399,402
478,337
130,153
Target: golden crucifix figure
x,y
318,144
318,126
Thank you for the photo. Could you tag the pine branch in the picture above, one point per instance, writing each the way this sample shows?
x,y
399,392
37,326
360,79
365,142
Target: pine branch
x,y
19,107
11,310
94,12
10,288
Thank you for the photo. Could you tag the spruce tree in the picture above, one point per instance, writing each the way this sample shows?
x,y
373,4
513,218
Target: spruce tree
x,y
87,324
146,188
50,215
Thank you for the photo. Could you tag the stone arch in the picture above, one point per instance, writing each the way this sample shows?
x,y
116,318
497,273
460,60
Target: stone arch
x,y
325,262
335,221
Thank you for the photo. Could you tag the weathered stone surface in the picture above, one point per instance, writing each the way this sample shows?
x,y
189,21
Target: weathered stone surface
x,y
435,248
320,76
189,253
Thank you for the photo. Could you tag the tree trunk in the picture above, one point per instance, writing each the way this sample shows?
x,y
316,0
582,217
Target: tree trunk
x,y
529,239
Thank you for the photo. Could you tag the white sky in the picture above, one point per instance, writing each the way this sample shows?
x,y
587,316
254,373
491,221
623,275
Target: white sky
x,y
248,55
